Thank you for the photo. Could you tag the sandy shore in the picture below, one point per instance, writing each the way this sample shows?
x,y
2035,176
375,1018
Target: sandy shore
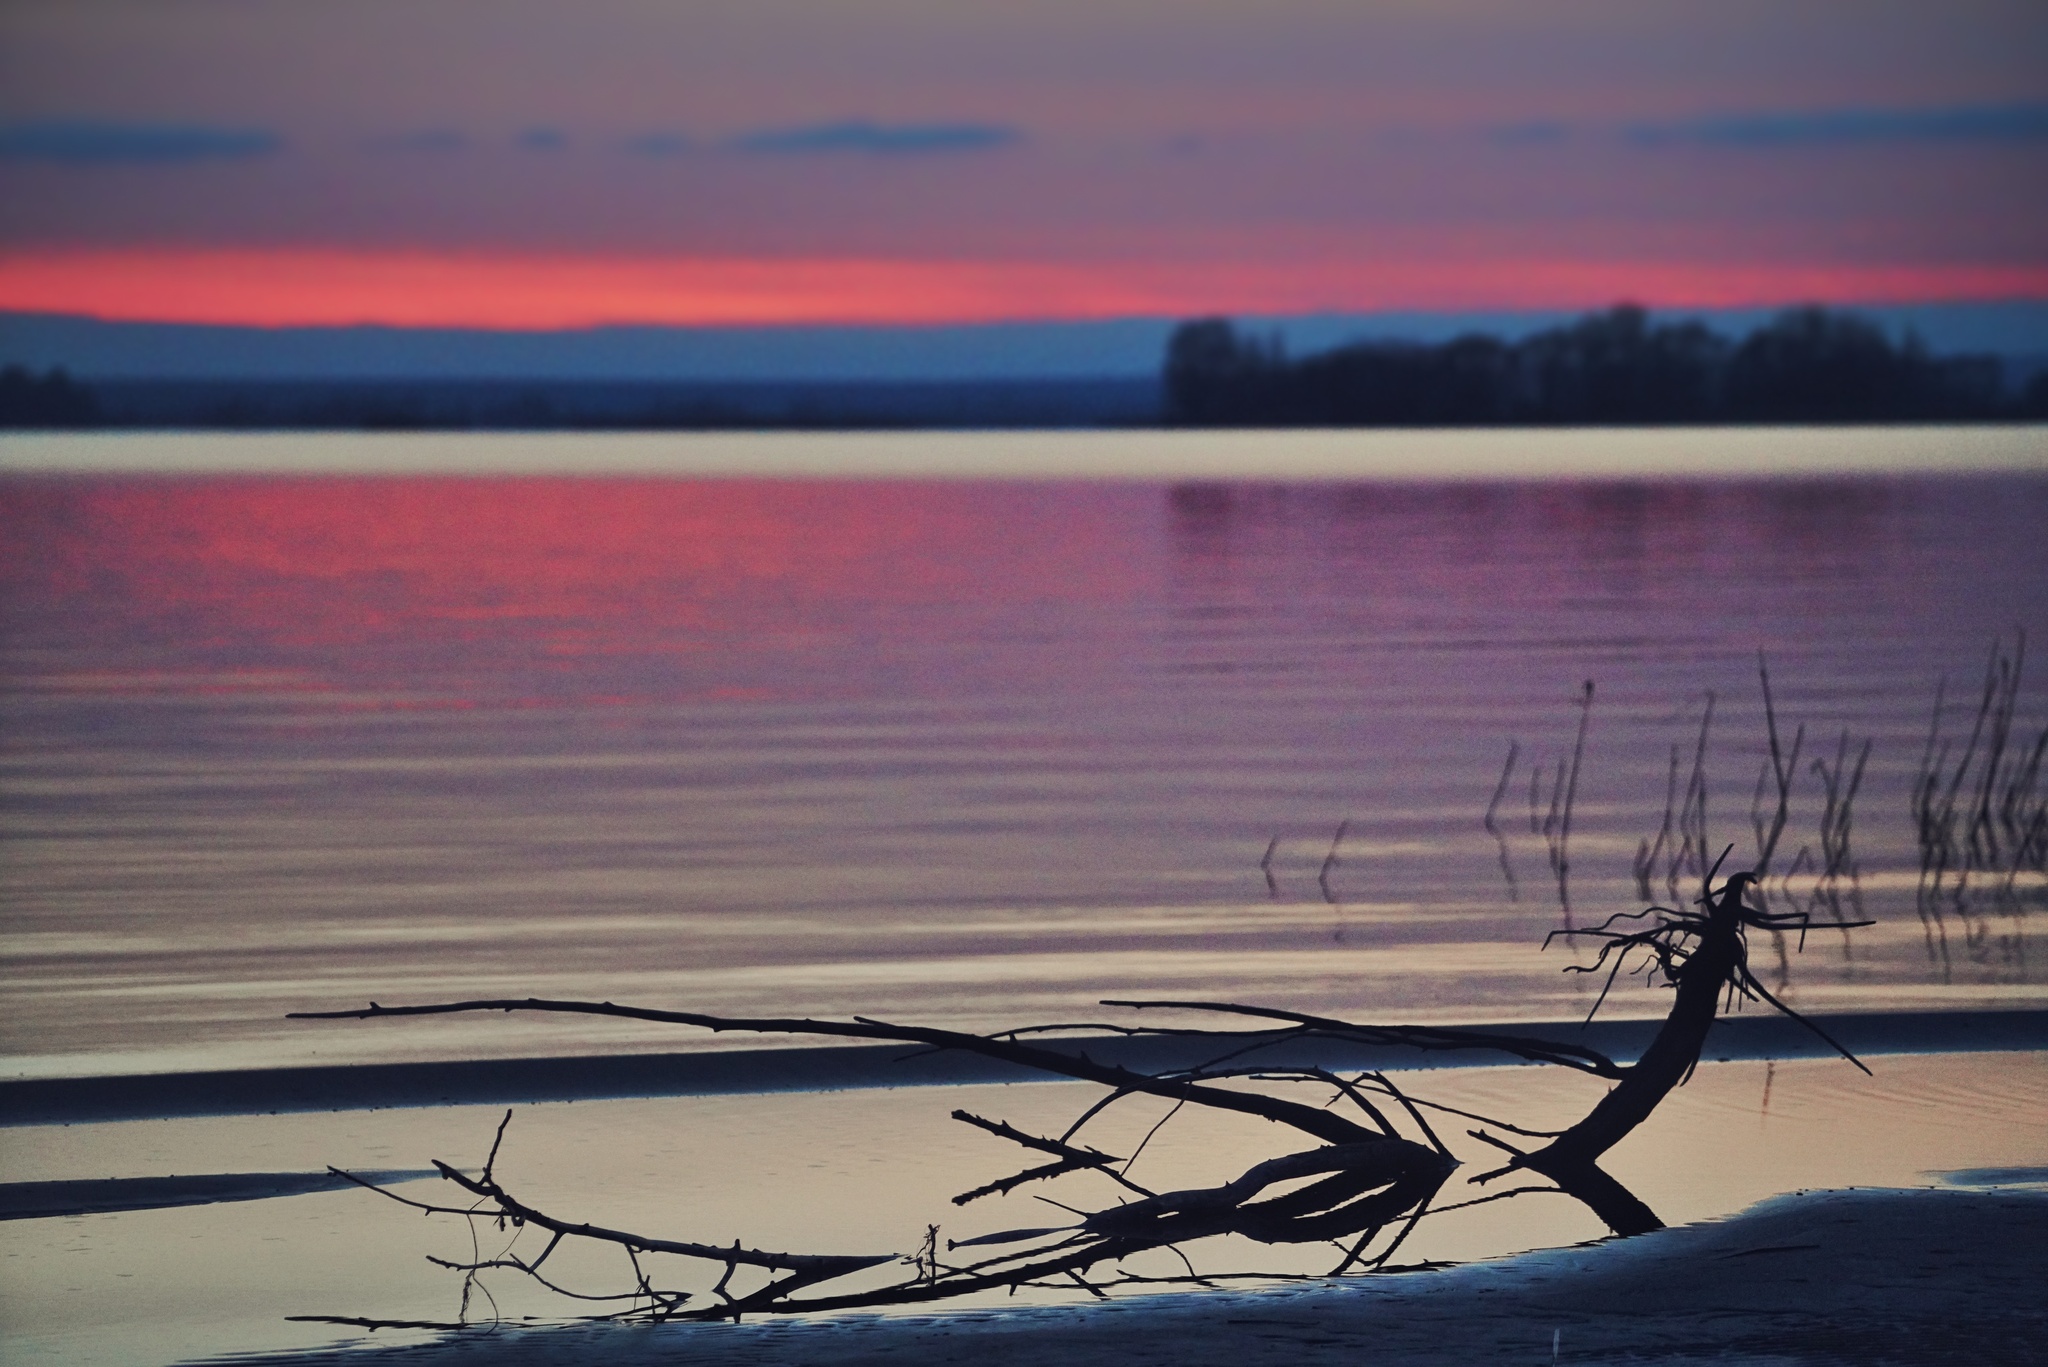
x,y
1834,1277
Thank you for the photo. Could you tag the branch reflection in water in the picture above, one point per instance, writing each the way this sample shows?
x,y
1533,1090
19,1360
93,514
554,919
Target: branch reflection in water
x,y
1363,1188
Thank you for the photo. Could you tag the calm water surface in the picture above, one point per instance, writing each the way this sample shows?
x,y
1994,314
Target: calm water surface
x,y
968,752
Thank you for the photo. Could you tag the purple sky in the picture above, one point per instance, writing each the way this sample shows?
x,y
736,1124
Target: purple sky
x,y
1389,155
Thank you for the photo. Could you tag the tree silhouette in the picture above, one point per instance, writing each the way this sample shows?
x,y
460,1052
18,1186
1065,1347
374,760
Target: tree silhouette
x,y
1808,365
51,400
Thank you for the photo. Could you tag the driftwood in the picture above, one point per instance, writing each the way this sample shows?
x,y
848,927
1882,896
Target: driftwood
x,y
1368,1174
1376,1167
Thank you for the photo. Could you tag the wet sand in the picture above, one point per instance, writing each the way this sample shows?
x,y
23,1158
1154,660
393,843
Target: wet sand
x,y
729,1071
860,1170
1816,1278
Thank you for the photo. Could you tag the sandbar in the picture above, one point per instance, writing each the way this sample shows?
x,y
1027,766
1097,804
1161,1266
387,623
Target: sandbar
x,y
1821,1277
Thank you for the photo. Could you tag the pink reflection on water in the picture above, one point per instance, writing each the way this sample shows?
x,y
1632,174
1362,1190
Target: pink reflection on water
x,y
956,751
541,575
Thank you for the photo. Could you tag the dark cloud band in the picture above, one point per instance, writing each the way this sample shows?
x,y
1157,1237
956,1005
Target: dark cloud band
x,y
1974,123
89,143
859,136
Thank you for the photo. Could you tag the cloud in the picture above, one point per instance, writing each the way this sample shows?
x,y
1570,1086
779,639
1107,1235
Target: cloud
x,y
93,143
420,140
660,144
861,137
1965,123
1533,133
542,139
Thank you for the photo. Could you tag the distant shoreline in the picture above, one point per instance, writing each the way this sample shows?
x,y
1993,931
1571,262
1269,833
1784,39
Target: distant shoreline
x,y
561,407
1955,361
1611,368
531,404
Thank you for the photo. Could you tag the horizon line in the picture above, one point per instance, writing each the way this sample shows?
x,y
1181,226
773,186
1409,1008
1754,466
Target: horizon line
x,y
1534,315
415,290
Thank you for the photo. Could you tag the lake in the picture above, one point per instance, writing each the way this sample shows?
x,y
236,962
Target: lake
x,y
972,739
972,731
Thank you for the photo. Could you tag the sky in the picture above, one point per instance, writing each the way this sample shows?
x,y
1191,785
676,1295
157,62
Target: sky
x,y
513,164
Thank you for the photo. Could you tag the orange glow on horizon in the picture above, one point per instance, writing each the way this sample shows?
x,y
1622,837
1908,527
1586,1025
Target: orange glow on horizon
x,y
296,287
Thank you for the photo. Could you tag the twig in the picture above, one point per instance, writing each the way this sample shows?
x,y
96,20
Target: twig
x,y
1321,1124
1330,862
1500,790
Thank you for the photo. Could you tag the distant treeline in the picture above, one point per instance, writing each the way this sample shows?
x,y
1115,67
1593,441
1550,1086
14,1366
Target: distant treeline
x,y
55,400
1808,365
1617,367
52,400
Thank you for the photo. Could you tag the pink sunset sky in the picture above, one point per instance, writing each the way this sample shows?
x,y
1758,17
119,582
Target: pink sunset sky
x,y
517,164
